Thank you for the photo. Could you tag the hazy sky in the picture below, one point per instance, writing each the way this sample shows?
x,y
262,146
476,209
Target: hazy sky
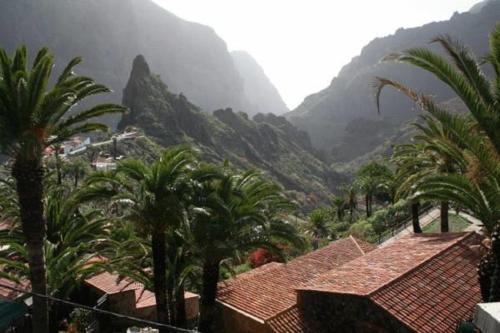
x,y
302,44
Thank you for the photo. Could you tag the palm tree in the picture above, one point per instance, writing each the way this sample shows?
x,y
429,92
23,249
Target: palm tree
x,y
409,167
351,195
318,226
431,154
368,187
73,238
182,264
475,137
233,214
33,117
339,206
372,179
76,168
156,196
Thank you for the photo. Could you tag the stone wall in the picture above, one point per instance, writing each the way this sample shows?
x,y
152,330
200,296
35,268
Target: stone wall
x,y
326,312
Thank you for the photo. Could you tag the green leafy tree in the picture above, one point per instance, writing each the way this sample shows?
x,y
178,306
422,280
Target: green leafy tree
x,y
235,213
34,116
474,136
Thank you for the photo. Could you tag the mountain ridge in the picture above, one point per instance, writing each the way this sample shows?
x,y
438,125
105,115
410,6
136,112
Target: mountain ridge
x,y
190,57
342,119
257,85
266,141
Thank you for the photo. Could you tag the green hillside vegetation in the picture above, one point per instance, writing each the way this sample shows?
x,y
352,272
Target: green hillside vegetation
x,y
267,142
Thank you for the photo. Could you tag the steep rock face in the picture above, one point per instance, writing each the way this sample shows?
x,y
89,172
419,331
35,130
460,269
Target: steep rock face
x,y
108,34
342,119
267,142
259,90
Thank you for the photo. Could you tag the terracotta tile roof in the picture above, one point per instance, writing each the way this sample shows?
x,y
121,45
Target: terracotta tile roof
x,y
427,281
270,289
371,272
439,293
9,294
288,321
112,284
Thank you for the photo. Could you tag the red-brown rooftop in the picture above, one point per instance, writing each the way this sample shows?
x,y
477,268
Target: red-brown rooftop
x,y
427,281
112,284
366,274
271,289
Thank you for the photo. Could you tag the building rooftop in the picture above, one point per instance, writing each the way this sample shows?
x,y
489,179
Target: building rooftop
x,y
112,284
8,294
427,281
289,321
267,291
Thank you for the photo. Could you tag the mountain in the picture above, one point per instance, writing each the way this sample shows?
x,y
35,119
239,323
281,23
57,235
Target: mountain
x,y
479,6
108,34
267,142
257,86
342,119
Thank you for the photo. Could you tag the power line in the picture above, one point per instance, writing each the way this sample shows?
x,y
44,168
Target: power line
x,y
105,312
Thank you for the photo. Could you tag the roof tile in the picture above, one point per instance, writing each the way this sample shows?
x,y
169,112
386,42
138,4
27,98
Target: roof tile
x,y
270,289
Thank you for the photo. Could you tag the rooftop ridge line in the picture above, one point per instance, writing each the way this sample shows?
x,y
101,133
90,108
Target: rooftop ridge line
x,y
357,245
243,312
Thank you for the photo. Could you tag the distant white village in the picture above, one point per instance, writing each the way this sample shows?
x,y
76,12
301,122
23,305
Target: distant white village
x,y
79,144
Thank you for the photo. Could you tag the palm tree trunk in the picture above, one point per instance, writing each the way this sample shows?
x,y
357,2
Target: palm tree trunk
x,y
180,304
486,268
29,177
58,166
172,315
494,292
445,227
159,276
415,217
208,296
367,203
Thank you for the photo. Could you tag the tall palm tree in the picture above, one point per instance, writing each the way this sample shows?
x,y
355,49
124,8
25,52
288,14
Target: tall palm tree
x,y
339,206
350,193
368,187
372,179
318,226
156,197
34,116
475,136
432,153
76,168
233,214
73,238
408,174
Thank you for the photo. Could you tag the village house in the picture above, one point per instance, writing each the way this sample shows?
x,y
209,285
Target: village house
x,y
251,301
125,296
419,283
